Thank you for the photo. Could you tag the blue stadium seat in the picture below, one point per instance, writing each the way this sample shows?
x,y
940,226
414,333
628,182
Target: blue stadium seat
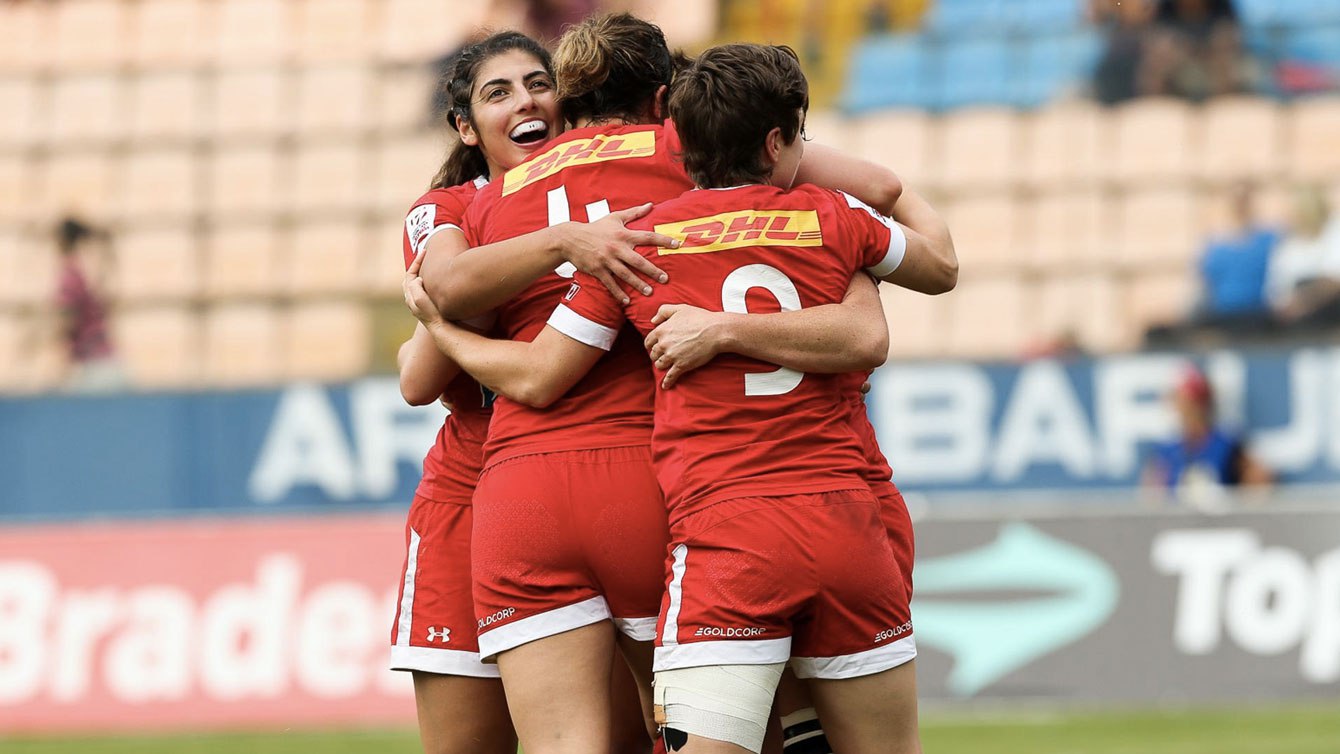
x,y
1320,45
949,18
889,71
975,71
1052,65
1030,17
1287,12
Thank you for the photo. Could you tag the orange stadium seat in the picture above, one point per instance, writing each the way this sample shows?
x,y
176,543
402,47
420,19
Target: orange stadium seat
x,y
244,179
19,97
383,256
29,268
1068,230
31,356
90,34
335,30
78,181
988,317
253,32
170,33
1314,139
1153,139
1272,202
242,260
333,100
1157,229
1242,138
987,232
327,341
242,345
328,178
165,106
25,36
828,128
417,30
900,140
157,263
324,257
917,322
85,109
16,188
1066,145
1086,305
160,346
978,149
403,169
250,102
403,94
1160,298
159,184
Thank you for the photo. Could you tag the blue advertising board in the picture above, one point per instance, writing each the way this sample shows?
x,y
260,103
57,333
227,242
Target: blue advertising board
x,y
945,426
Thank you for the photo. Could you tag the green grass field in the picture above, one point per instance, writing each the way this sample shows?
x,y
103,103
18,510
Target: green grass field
x,y
1283,730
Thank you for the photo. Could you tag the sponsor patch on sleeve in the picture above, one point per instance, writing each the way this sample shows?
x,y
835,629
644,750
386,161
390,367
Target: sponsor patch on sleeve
x,y
419,225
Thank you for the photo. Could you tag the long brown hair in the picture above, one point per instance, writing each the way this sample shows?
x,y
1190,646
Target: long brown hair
x,y
610,66
464,162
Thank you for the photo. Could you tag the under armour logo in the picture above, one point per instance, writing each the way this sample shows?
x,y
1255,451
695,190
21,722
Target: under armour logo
x,y
435,633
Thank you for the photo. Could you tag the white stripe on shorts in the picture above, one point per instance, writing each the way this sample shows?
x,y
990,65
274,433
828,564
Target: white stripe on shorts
x,y
402,630
869,662
670,635
541,626
441,661
701,653
637,629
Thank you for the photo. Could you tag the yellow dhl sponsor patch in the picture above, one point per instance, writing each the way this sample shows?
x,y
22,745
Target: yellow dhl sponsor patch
x,y
600,148
736,230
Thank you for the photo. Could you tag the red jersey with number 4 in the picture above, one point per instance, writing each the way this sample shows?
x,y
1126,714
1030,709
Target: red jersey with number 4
x,y
582,175
738,427
452,466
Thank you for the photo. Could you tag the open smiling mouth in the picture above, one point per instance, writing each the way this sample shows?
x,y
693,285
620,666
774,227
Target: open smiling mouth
x,y
530,132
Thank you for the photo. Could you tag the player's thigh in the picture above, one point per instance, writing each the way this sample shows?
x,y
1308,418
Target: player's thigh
x,y
632,725
558,690
462,715
870,714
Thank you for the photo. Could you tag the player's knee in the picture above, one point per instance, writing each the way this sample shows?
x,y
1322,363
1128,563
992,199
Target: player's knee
x,y
730,703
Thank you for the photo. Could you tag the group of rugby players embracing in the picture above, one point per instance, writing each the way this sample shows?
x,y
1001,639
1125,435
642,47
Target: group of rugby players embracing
x,y
675,299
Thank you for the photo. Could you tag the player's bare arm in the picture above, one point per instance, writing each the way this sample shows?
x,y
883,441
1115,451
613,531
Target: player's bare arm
x,y
930,264
535,374
466,282
831,168
850,336
425,372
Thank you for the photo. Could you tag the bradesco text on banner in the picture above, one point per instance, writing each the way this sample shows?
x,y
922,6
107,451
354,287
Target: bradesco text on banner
x,y
211,623
1135,606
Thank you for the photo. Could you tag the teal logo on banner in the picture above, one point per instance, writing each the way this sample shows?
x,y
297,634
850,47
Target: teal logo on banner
x,y
999,607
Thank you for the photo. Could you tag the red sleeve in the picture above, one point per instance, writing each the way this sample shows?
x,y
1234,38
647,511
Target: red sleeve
x,y
879,239
588,313
435,211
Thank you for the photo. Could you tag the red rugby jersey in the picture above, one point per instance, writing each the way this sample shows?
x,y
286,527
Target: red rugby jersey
x,y
452,466
877,467
739,427
582,175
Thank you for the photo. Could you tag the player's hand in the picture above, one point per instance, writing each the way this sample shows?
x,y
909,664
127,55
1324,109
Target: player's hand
x,y
416,297
685,338
607,250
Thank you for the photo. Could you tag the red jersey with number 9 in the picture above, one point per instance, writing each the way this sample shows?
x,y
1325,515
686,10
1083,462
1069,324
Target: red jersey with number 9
x,y
452,466
582,175
738,427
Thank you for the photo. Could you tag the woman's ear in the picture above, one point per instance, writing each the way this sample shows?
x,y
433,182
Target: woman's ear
x,y
469,137
772,146
660,109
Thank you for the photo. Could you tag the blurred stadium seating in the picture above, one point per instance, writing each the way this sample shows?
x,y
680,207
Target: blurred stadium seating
x,y
252,178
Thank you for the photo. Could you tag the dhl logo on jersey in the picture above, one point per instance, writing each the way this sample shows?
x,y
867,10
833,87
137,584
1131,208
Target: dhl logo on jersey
x,y
600,148
736,230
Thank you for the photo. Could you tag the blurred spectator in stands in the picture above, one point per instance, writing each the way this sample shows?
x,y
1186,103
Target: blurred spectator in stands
x,y
1204,459
1195,51
1126,26
1233,267
82,302
1303,279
